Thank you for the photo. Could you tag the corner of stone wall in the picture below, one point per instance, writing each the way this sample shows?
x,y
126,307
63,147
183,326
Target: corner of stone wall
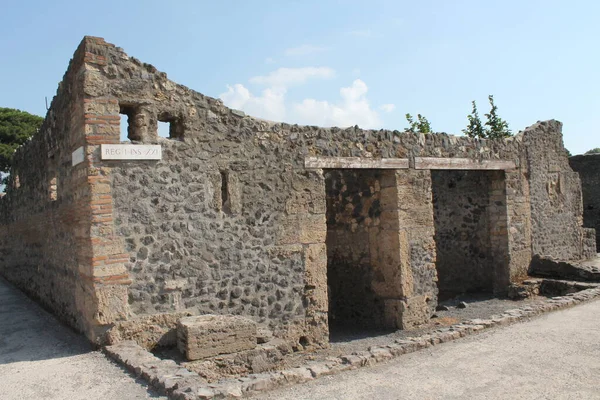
x,y
103,265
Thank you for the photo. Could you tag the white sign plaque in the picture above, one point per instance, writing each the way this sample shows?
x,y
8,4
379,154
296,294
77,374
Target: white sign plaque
x,y
77,156
130,152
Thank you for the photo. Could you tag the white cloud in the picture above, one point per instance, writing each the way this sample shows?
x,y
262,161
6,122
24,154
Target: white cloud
x,y
269,105
285,77
304,50
354,109
387,107
269,60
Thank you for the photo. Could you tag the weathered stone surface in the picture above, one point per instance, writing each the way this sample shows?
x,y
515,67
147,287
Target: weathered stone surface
x,y
148,332
548,267
524,290
209,335
462,215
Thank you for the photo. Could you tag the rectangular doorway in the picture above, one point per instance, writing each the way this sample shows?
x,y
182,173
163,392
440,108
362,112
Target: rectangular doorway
x,y
471,236
356,236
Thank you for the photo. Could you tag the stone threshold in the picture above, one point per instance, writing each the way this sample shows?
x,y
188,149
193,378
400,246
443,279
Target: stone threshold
x,y
179,383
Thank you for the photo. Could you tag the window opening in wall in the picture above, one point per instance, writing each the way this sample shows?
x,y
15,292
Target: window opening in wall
x,y
127,120
225,201
163,129
170,127
124,125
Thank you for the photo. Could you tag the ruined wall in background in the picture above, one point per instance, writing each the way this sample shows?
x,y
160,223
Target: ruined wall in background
x,y
462,231
555,190
588,167
353,222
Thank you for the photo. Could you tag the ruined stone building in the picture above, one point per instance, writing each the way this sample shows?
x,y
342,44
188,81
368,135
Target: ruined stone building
x,y
283,224
588,167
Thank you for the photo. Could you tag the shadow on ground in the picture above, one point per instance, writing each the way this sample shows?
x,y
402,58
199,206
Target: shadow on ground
x,y
28,333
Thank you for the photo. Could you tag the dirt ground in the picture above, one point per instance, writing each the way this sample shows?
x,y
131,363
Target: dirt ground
x,y
344,340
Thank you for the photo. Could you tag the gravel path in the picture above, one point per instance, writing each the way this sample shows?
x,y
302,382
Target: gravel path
x,y
42,359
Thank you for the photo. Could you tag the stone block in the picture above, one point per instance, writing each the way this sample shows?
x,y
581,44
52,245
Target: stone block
x,y
210,335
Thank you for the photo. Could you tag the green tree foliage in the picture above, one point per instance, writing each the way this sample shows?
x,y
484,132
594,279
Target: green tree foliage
x,y
475,127
593,151
494,128
16,127
497,127
421,125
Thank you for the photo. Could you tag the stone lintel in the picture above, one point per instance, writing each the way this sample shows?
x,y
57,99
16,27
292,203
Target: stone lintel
x,y
462,164
355,163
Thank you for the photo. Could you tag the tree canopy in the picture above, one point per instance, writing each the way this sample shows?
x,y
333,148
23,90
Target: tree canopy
x,y
16,127
593,151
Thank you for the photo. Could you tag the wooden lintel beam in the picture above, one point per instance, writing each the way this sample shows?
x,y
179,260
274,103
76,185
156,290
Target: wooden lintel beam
x,y
462,164
355,163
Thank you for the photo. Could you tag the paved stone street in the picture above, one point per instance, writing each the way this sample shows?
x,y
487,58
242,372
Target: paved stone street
x,y
555,356
42,359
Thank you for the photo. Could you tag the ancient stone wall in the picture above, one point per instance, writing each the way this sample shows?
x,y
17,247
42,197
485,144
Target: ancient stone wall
x,y
231,220
588,167
555,190
190,248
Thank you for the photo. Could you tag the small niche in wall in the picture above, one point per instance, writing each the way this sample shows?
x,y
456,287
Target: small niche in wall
x,y
225,200
170,127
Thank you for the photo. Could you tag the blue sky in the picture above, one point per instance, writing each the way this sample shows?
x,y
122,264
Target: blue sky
x,y
334,62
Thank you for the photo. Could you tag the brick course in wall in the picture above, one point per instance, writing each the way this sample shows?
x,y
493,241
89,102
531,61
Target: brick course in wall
x,y
230,220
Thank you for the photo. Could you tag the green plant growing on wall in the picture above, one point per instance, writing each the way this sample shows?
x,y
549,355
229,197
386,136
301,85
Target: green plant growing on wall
x,y
421,125
16,127
475,127
496,127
